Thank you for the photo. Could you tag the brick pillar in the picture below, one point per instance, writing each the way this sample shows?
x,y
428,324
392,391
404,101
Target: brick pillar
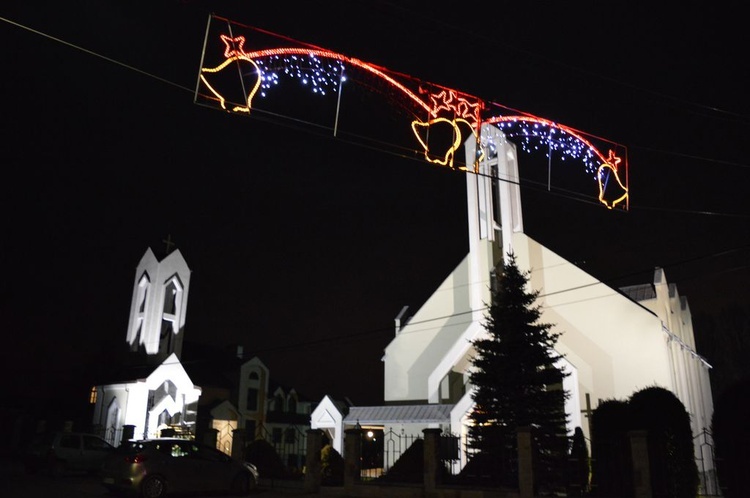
x,y
352,456
525,463
238,444
209,437
431,459
128,433
641,470
313,465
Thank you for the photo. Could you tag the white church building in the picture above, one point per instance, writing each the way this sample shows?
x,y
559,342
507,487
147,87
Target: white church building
x,y
614,342
156,393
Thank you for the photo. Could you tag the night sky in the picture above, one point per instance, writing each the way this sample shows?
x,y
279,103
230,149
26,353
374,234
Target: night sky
x,y
304,247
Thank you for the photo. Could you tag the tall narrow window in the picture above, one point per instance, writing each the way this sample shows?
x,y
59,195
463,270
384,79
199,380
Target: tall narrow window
x,y
92,395
170,298
252,399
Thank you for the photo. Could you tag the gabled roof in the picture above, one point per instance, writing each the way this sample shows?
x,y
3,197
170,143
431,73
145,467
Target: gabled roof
x,y
641,292
404,414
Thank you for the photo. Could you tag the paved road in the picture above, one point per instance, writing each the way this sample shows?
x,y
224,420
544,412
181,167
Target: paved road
x,y
16,483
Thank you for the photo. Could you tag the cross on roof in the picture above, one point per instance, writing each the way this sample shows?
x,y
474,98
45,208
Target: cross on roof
x,y
169,244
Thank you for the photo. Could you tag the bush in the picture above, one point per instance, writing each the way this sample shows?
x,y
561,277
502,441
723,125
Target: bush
x,y
612,471
670,441
670,445
409,467
263,455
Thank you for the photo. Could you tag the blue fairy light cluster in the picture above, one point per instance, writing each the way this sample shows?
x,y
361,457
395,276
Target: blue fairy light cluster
x,y
320,76
536,137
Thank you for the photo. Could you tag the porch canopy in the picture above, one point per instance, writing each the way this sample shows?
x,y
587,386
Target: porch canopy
x,y
398,414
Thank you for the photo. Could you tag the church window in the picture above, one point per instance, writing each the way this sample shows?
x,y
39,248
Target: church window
x,y
164,418
253,376
279,403
252,399
292,404
92,395
170,298
142,292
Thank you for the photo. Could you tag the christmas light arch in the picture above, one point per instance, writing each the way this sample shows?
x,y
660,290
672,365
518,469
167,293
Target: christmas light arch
x,y
430,106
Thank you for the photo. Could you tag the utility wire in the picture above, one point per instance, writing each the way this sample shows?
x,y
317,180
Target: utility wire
x,y
301,124
360,335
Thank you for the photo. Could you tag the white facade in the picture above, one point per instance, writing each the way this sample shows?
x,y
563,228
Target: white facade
x,y
327,417
159,304
159,393
612,345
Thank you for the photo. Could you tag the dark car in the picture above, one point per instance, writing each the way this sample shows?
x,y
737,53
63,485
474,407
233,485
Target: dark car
x,y
155,467
59,452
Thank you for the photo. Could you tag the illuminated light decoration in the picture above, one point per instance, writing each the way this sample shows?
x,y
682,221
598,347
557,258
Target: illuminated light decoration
x,y
309,70
461,109
323,70
531,131
603,179
233,55
318,53
320,76
447,158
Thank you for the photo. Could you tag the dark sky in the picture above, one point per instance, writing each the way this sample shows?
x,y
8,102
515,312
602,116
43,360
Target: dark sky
x,y
303,247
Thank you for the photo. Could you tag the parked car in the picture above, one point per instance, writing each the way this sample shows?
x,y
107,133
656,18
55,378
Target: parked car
x,y
59,452
152,468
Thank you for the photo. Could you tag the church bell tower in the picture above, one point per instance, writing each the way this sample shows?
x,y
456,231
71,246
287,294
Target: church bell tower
x,y
158,307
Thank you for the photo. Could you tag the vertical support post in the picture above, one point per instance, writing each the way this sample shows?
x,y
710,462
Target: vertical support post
x,y
209,437
352,456
128,432
641,469
313,465
525,463
431,459
238,444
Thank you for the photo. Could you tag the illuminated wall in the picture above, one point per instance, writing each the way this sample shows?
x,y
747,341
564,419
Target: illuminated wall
x,y
159,305
166,397
613,346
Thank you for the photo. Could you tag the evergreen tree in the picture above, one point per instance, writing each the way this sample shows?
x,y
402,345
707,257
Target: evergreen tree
x,y
517,382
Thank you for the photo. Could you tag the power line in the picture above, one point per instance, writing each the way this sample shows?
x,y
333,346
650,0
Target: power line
x,y
361,335
380,146
696,108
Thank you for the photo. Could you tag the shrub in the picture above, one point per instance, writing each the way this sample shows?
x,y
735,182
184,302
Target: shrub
x,y
263,455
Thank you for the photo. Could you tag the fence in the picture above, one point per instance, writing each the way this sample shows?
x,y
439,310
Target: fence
x,y
290,443
706,461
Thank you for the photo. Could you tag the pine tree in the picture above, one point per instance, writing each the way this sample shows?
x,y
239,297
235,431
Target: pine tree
x,y
517,382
